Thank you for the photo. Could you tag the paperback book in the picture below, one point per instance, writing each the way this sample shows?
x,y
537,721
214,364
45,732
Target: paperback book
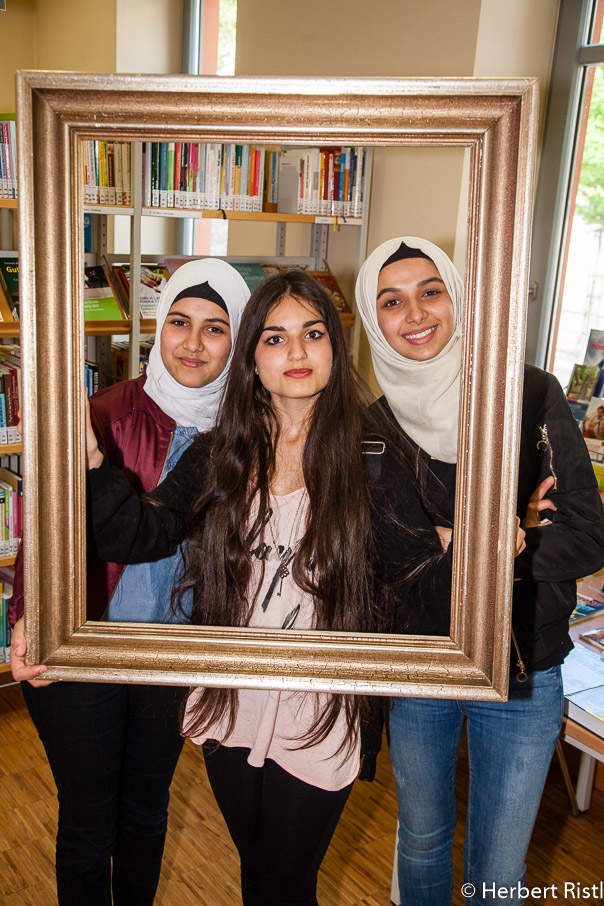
x,y
582,383
100,303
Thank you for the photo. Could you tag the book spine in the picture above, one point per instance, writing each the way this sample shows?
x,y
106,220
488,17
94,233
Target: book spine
x,y
15,374
119,174
91,169
192,175
170,176
246,156
3,420
103,173
127,172
323,181
8,170
184,173
357,201
200,176
3,179
110,174
216,179
163,174
261,171
3,624
155,174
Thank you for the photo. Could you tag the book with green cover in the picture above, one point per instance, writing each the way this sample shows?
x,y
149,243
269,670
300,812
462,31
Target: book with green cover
x,y
100,303
9,282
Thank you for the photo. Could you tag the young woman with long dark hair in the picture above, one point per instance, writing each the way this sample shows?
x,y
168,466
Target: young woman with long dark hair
x,y
113,747
274,507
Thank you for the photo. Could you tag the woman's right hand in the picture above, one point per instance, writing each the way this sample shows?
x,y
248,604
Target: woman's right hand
x,y
94,457
18,649
520,537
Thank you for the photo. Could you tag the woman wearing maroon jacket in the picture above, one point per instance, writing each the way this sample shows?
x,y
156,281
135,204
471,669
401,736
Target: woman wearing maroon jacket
x,y
113,748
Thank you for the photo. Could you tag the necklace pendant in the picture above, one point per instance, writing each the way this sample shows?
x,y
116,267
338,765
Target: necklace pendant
x,y
283,571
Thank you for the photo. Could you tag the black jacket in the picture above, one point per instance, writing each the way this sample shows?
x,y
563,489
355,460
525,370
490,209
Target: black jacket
x,y
556,555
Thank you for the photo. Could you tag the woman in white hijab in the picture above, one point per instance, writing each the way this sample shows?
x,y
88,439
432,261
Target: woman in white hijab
x,y
410,298
113,748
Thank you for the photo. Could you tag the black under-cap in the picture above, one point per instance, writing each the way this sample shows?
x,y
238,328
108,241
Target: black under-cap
x,y
202,291
404,251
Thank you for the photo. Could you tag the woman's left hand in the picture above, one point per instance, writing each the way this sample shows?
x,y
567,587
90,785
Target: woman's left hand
x,y
537,504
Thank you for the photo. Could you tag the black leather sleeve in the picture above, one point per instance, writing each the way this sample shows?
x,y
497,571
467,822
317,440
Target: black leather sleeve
x,y
127,528
572,546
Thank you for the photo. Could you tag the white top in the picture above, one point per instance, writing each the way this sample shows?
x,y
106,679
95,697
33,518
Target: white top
x,y
271,723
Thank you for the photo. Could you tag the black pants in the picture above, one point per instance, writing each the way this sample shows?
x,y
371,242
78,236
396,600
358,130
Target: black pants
x,y
280,825
112,750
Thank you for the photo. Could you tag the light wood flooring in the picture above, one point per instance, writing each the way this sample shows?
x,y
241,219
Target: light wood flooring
x,y
200,865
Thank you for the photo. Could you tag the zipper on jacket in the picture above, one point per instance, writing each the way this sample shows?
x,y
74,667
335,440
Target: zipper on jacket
x,y
544,444
521,676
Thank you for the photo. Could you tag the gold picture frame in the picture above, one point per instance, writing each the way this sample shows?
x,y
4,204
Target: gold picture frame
x,y
496,120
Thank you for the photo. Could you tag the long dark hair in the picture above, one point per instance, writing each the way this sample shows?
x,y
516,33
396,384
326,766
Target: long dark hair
x,y
337,539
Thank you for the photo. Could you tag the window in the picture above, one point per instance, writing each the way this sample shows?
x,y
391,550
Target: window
x,y
567,267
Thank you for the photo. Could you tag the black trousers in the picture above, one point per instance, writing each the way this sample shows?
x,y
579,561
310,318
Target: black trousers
x,y
280,825
112,750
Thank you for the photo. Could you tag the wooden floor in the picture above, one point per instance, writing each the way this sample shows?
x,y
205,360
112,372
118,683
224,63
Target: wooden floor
x,y
200,865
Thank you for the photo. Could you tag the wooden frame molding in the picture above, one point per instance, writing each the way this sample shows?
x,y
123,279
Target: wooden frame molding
x,y
496,119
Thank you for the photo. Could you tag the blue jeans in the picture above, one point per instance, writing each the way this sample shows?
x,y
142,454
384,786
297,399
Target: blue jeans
x,y
510,746
112,750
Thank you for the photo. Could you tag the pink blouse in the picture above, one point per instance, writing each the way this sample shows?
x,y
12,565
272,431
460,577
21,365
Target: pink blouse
x,y
272,724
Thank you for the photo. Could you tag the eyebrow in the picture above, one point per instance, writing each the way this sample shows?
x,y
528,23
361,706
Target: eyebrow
x,y
304,326
181,314
394,289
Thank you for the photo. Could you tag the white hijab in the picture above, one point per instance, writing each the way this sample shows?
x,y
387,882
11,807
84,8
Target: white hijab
x,y
423,395
194,406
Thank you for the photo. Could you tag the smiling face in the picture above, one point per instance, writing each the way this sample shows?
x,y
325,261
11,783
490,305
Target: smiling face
x,y
195,341
294,354
414,309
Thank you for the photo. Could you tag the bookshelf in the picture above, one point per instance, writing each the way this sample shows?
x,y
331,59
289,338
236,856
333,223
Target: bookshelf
x,y
9,329
320,225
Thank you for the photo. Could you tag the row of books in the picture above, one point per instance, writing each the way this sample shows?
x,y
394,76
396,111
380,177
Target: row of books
x,y
230,177
11,512
107,172
322,181
8,156
107,286
107,290
9,286
585,394
10,393
198,176
6,591
325,181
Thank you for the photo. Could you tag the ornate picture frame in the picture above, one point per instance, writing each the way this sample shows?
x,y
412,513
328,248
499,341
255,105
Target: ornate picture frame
x,y
496,119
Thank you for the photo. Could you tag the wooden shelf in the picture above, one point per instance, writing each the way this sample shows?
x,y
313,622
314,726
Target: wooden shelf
x,y
9,329
118,209
9,203
251,216
7,449
4,668
7,561
108,328
266,216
